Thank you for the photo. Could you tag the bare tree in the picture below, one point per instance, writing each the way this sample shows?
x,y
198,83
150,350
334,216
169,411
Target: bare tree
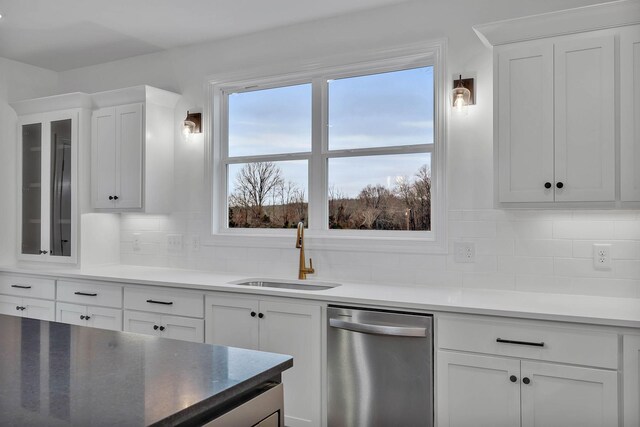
x,y
254,184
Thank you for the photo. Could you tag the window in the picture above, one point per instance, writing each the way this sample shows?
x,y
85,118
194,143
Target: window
x,y
350,151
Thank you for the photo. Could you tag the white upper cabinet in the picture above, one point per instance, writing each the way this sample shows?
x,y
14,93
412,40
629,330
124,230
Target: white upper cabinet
x,y
567,106
117,164
132,150
556,124
584,119
630,114
52,134
526,124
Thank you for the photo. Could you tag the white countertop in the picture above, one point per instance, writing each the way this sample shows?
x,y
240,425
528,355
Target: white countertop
x,y
624,312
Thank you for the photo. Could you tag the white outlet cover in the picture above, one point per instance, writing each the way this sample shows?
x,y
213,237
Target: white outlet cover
x,y
137,242
602,256
174,242
464,252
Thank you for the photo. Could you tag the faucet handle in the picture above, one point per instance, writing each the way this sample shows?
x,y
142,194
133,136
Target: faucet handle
x,y
311,270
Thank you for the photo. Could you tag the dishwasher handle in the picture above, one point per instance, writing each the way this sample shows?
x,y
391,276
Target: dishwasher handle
x,y
365,328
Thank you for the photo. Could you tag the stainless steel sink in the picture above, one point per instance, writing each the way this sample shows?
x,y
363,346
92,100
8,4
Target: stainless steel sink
x,y
302,286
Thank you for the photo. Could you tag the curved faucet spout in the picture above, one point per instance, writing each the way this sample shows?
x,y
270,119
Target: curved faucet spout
x,y
303,270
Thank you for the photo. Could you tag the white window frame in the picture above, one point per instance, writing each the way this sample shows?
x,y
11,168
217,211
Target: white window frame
x,y
319,236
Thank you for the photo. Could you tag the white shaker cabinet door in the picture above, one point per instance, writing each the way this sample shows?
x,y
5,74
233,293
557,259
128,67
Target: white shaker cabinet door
x,y
295,329
232,321
559,395
73,314
142,323
525,124
182,328
129,134
585,119
104,318
631,380
481,391
103,158
630,114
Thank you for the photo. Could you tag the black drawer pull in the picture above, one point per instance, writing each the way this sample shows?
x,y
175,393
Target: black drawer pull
x,y
532,344
21,286
86,294
155,327
151,301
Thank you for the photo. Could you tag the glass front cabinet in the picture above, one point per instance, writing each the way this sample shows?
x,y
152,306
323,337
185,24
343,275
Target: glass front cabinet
x,y
47,173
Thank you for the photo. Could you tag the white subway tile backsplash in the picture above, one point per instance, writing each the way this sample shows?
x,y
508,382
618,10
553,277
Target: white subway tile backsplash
x,y
525,265
526,229
543,248
526,250
579,229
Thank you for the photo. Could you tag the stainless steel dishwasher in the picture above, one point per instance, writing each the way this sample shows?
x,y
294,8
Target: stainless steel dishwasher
x,y
380,368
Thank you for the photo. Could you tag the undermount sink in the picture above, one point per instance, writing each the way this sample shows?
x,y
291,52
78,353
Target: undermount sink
x,y
310,286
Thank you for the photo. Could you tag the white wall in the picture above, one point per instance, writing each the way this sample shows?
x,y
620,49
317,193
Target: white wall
x,y
17,81
532,250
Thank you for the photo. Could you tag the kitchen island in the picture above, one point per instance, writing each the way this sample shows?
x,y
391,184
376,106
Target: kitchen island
x,y
56,374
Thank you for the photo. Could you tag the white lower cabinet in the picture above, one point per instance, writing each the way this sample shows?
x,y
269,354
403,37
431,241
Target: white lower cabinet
x,y
27,307
279,327
95,317
477,390
560,395
631,380
510,372
175,327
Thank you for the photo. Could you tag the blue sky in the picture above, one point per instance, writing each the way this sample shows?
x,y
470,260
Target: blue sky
x,y
387,109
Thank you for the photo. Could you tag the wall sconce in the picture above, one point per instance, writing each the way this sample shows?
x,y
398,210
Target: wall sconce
x,y
192,124
463,94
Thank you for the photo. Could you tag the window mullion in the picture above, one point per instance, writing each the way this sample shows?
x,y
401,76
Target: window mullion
x,y
317,165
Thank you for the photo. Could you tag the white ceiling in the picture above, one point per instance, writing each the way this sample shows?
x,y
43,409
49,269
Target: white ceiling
x,y
65,34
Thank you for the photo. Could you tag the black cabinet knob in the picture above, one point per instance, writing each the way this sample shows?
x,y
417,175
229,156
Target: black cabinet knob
x,y
115,197
155,327
253,314
261,315
559,184
513,378
17,307
82,317
161,328
110,197
526,380
43,252
547,185
87,317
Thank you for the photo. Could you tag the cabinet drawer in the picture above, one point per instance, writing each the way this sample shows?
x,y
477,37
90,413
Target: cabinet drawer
x,y
175,327
25,286
90,293
531,340
166,301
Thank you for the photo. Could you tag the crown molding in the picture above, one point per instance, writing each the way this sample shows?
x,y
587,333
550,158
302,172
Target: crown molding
x,y
588,18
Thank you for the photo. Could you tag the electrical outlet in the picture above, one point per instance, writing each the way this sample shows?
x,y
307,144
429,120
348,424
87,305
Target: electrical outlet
x,y
195,244
136,242
602,256
174,242
464,252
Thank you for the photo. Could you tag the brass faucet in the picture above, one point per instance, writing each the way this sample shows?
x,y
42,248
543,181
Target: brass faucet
x,y
303,270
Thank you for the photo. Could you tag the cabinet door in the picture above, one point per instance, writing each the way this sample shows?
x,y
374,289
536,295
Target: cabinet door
x,y
630,114
559,395
182,328
294,329
30,209
103,158
39,309
584,119
72,314
10,305
525,124
232,321
631,378
104,318
477,390
142,323
129,154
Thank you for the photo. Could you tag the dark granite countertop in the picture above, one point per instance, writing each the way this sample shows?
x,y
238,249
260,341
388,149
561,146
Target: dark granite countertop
x,y
56,374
